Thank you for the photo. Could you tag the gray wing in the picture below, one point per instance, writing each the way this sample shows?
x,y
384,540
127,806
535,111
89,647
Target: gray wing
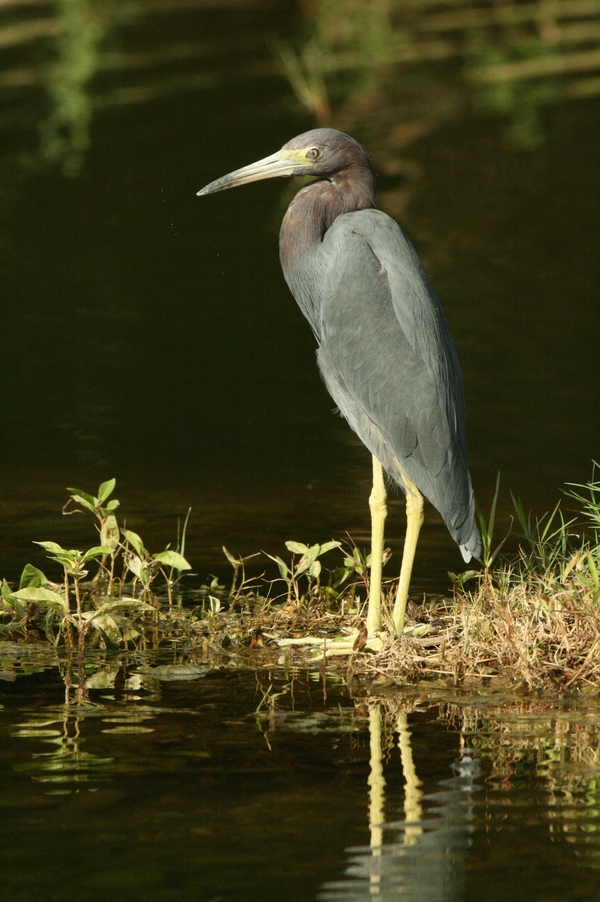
x,y
388,360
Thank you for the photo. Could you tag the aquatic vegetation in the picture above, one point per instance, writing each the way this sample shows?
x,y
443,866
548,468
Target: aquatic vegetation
x,y
530,620
308,566
100,604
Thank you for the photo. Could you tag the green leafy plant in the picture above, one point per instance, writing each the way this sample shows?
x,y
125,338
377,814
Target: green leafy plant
x,y
103,510
308,566
356,567
532,616
35,589
95,603
73,563
146,566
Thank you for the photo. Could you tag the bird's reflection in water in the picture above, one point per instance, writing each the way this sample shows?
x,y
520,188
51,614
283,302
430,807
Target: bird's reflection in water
x,y
424,856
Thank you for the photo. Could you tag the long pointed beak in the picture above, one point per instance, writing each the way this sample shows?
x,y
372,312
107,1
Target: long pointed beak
x,y
278,164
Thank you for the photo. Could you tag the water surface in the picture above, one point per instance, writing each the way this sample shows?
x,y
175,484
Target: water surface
x,y
164,790
148,334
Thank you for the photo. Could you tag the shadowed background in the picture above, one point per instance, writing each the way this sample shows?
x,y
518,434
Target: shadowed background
x,y
148,337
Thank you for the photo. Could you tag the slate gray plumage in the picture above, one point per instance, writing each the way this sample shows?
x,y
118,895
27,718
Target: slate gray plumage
x,y
384,346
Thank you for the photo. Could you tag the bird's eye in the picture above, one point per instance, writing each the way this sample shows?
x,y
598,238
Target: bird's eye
x,y
313,153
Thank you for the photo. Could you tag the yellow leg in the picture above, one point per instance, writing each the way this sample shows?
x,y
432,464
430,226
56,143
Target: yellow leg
x,y
378,514
414,519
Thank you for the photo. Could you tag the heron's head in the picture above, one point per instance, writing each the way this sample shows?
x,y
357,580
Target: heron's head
x,y
322,152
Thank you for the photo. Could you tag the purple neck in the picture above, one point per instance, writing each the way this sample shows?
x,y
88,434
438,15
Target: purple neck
x,y
311,213
316,207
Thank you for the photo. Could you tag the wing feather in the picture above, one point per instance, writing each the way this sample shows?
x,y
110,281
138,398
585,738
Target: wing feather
x,y
388,359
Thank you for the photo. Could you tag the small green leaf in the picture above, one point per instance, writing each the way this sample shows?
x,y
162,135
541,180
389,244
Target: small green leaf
x,y
81,495
172,559
328,546
283,567
144,570
592,567
460,579
9,602
315,569
52,547
106,625
71,561
106,489
95,552
31,576
340,575
215,605
135,542
112,505
87,501
69,558
135,564
39,595
307,560
302,566
296,547
109,533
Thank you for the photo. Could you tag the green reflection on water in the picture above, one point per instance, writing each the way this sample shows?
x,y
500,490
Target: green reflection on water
x,y
434,794
381,62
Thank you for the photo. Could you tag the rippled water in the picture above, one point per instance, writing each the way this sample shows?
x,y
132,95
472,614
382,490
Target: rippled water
x,y
248,786
148,335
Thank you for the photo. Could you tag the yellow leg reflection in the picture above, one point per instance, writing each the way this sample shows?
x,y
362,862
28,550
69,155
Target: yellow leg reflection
x,y
376,794
413,810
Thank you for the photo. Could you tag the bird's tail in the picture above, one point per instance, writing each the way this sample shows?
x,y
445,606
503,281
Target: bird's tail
x,y
472,547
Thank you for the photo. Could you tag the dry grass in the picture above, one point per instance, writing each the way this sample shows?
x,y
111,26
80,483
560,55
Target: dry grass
x,y
530,622
534,631
507,629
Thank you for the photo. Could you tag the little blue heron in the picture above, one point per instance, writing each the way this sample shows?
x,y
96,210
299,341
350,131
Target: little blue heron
x,y
385,351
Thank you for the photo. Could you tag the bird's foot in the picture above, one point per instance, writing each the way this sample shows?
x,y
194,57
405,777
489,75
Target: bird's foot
x,y
349,643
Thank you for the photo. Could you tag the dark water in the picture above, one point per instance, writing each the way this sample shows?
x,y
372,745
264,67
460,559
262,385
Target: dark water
x,y
148,334
185,790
